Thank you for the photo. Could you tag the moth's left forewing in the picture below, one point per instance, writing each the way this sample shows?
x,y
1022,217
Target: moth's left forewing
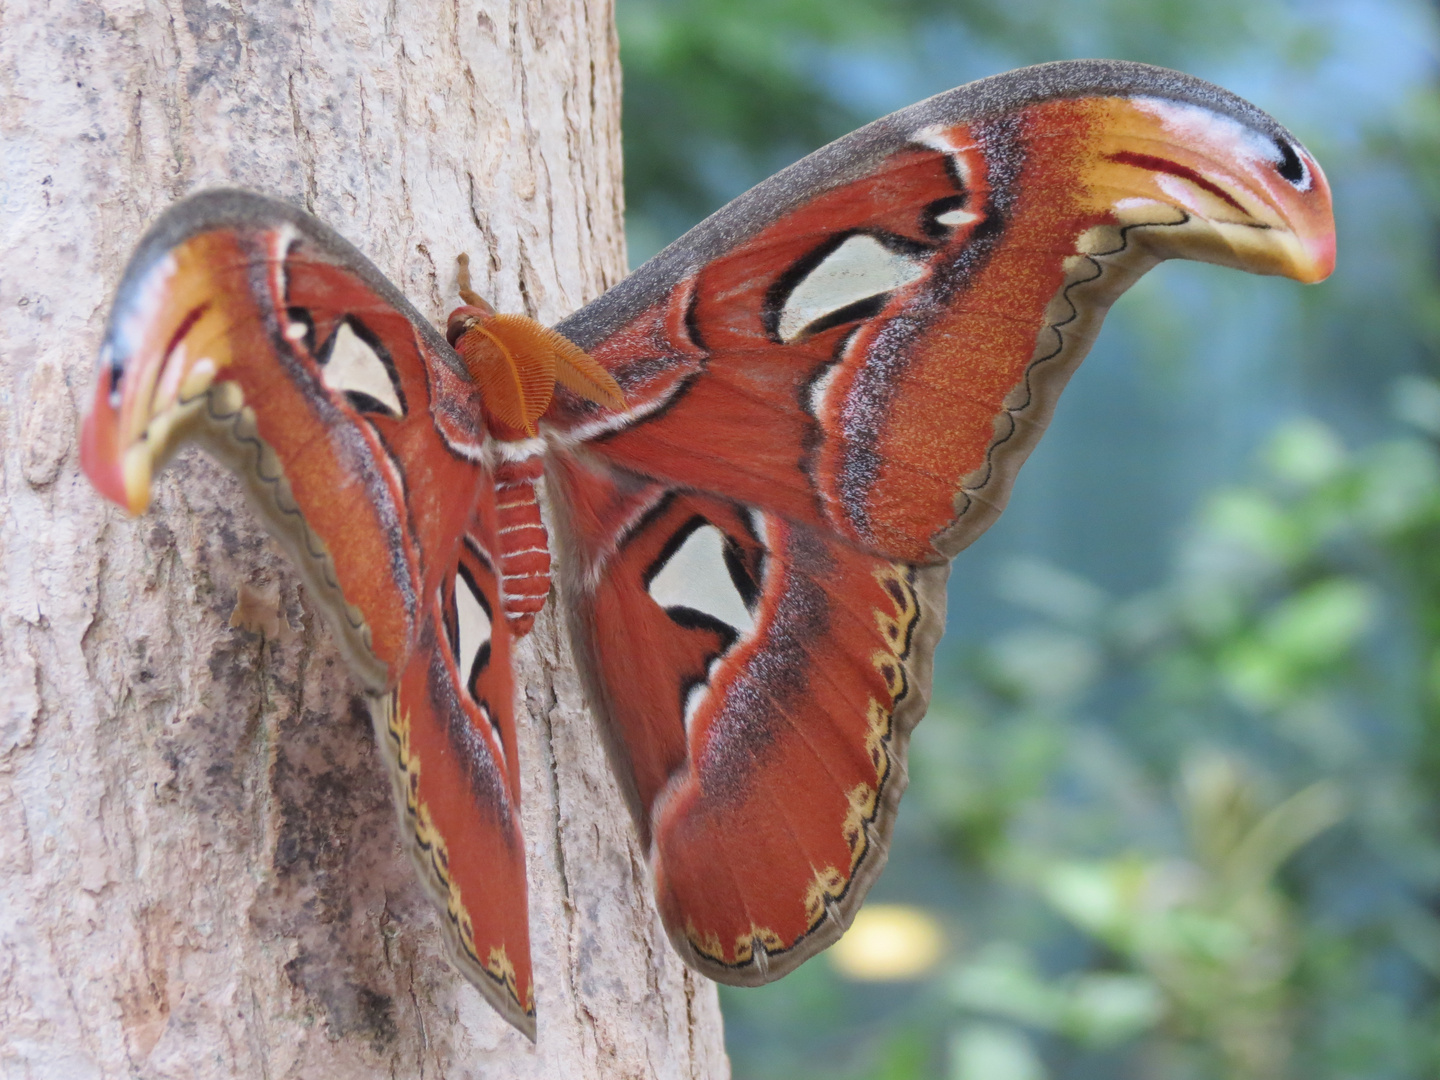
x,y
249,328
898,313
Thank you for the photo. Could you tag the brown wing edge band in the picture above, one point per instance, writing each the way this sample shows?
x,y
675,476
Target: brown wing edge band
x,y
222,424
838,912
426,849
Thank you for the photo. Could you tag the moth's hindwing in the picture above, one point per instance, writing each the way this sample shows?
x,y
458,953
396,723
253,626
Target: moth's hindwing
x,y
765,682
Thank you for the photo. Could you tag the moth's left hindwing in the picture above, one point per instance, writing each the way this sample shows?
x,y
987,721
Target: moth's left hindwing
x,y
249,327
767,679
448,732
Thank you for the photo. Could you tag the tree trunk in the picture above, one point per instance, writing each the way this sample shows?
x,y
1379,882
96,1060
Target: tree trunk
x,y
200,870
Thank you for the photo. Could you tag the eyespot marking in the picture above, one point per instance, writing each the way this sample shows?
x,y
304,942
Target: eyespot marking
x,y
1292,167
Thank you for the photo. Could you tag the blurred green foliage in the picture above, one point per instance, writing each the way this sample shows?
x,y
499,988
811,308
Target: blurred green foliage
x,y
1267,667
1178,796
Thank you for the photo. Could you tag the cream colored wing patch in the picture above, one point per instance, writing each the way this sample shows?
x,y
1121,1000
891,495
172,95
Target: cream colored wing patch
x,y
352,366
472,624
697,577
857,270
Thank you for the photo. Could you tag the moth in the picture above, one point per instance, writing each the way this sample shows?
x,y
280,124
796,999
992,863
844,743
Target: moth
x,y
760,452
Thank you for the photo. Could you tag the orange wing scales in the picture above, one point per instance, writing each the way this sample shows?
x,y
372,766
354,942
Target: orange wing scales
x,y
803,702
876,429
359,435
452,745
828,884
830,740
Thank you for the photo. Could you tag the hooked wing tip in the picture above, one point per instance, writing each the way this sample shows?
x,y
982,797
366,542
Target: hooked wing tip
x,y
1248,197
1321,249
119,475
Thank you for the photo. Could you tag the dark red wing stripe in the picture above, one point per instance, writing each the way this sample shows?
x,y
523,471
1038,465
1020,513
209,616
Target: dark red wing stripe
x,y
1174,168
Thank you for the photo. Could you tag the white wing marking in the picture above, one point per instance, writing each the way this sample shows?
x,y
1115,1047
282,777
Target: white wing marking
x,y
353,365
696,577
858,269
473,625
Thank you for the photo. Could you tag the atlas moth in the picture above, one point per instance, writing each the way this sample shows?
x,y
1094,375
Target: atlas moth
x,y
761,451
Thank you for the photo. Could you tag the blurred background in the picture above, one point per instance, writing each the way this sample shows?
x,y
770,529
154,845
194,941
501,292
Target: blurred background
x,y
1175,812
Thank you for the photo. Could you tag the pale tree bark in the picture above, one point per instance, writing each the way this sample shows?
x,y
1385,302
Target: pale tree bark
x,y
200,871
